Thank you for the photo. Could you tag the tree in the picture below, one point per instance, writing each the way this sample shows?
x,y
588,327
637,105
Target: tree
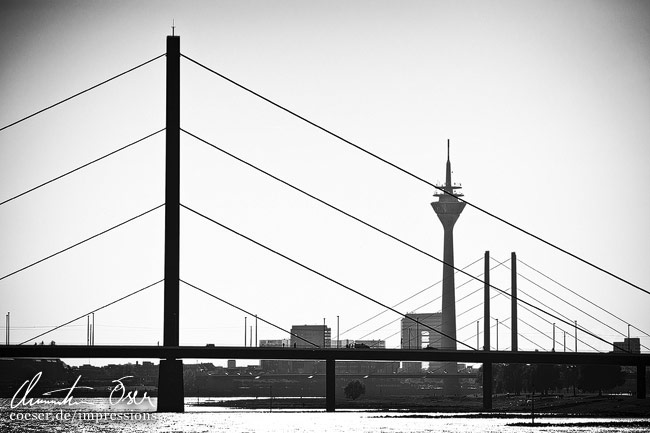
x,y
354,389
513,378
600,377
545,377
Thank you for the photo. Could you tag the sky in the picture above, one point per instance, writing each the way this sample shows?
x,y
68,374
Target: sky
x,y
545,104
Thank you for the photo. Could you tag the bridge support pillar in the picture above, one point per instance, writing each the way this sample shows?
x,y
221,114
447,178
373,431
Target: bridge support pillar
x,y
170,374
170,386
513,303
330,385
640,381
487,386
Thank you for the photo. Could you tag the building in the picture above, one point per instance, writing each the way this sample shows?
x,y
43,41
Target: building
x,y
309,336
416,333
277,366
448,208
632,345
367,368
373,344
284,342
347,343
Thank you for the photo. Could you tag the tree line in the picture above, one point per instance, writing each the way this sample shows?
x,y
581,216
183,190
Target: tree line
x,y
545,378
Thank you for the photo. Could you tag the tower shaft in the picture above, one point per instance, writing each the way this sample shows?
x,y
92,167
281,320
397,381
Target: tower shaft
x,y
448,293
448,208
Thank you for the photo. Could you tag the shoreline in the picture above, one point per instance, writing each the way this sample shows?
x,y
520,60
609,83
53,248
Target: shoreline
x,y
579,407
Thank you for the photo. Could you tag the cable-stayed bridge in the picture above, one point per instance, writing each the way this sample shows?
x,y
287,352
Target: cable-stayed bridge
x,y
171,352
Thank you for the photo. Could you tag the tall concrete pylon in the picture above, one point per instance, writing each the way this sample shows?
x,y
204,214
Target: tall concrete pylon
x,y
448,208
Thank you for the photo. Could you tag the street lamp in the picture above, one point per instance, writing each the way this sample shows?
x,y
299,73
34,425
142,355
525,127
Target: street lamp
x,y
337,332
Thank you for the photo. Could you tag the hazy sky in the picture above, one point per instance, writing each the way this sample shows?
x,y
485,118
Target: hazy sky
x,y
546,104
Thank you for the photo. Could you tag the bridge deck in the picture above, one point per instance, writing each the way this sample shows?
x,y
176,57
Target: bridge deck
x,y
203,352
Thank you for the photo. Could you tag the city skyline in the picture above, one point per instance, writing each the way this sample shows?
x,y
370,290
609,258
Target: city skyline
x,y
545,113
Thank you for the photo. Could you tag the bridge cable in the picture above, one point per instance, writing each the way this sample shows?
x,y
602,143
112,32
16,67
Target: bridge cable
x,y
315,271
556,317
322,202
570,304
81,93
493,325
81,242
549,308
339,210
80,167
395,333
244,311
583,298
566,302
373,227
478,305
519,335
406,299
551,323
435,299
560,328
508,327
93,311
441,189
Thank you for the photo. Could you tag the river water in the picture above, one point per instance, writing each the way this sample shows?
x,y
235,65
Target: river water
x,y
96,415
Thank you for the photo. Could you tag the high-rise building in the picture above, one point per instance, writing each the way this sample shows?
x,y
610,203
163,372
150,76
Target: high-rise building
x,y
417,334
416,330
309,336
448,208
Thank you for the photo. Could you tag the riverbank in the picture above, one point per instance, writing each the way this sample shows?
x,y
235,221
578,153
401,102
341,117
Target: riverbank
x,y
583,406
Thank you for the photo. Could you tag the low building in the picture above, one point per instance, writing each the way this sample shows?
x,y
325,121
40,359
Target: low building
x,y
632,345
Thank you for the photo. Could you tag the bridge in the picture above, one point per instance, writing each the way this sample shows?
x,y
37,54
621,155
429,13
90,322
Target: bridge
x,y
171,353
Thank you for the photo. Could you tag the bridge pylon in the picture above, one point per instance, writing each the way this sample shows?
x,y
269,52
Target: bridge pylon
x,y
170,374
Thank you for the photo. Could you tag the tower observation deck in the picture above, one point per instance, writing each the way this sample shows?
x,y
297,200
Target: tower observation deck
x,y
448,208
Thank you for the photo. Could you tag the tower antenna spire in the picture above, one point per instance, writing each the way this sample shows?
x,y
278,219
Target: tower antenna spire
x,y
447,149
173,26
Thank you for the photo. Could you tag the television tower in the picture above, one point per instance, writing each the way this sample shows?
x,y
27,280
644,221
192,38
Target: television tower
x,y
448,208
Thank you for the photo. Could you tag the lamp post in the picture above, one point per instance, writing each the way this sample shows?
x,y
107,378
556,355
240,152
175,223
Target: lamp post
x,y
553,337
